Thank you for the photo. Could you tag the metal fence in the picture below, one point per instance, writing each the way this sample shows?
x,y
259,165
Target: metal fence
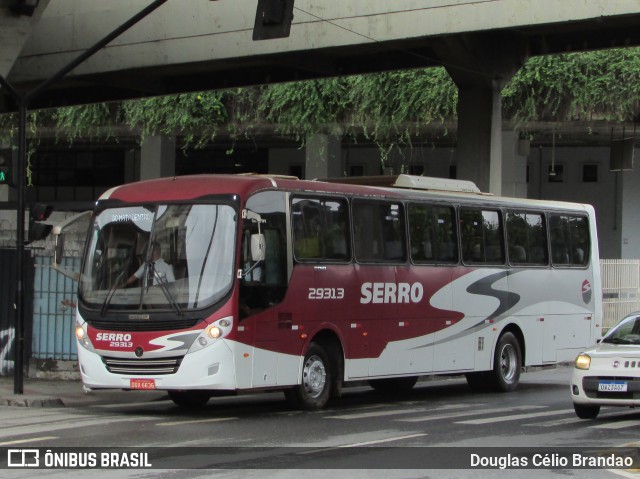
x,y
54,300
620,289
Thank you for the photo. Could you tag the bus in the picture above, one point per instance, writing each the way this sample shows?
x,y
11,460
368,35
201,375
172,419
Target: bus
x,y
223,284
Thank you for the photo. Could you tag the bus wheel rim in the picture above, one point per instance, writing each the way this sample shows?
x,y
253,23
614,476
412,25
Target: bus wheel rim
x,y
508,362
314,376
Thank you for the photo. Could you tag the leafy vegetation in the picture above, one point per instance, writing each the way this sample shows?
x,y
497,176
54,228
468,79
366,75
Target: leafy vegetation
x,y
387,109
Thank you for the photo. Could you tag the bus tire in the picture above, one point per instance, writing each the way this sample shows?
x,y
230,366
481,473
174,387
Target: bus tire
x,y
507,363
316,383
584,411
189,399
392,385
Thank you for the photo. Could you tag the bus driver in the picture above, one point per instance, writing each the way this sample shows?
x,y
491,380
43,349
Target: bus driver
x,y
158,268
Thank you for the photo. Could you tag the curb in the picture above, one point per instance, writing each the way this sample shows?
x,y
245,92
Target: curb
x,y
21,401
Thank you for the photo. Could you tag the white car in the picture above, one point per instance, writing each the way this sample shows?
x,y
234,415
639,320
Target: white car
x,y
608,374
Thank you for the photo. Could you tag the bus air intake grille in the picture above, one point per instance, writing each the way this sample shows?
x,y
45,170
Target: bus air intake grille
x,y
153,367
129,325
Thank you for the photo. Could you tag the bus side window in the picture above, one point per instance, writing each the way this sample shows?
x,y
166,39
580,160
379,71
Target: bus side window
x,y
526,238
481,233
379,231
570,243
432,234
320,229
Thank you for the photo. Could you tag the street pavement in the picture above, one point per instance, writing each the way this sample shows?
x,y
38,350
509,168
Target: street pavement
x,y
65,393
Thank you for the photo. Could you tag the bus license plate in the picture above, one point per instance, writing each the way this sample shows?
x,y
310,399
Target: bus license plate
x,y
146,384
615,386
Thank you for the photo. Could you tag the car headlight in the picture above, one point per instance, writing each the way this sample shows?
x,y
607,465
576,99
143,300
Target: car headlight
x,y
583,361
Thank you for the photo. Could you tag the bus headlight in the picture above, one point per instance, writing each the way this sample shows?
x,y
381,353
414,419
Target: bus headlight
x,y
211,334
83,339
583,361
214,332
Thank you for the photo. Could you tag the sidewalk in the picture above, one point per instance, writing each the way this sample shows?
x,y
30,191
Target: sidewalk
x,y
66,393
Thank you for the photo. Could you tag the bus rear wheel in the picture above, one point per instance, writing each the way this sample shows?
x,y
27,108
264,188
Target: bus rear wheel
x,y
317,377
189,399
507,363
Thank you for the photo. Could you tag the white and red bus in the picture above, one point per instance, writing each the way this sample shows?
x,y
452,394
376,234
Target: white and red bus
x,y
230,283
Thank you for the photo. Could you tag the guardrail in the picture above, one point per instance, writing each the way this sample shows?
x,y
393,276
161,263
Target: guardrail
x,y
620,289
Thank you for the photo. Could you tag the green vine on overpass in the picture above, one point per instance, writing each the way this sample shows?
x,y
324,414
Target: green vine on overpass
x,y
389,109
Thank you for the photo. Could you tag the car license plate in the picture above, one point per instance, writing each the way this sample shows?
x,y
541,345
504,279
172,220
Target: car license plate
x,y
145,384
615,386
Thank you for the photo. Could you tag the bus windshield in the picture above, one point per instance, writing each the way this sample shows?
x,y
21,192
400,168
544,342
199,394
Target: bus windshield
x,y
178,257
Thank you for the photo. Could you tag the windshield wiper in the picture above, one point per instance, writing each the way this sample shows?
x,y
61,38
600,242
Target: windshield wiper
x,y
111,292
163,287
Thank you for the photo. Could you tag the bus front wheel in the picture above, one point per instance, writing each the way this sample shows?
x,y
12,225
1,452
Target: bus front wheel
x,y
189,399
317,377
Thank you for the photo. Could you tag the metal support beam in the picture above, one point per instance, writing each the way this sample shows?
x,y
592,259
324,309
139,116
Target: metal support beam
x,y
23,100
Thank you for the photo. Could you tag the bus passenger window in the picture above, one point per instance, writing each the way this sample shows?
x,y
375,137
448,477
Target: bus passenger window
x,y
320,229
482,236
432,234
526,238
378,229
570,243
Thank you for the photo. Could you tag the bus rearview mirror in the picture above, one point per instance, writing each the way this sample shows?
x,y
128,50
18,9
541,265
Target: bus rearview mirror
x,y
258,247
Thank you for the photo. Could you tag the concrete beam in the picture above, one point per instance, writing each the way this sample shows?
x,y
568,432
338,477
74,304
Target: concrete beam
x,y
203,45
15,30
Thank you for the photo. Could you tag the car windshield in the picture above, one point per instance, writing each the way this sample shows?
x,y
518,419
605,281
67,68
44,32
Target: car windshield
x,y
625,332
159,257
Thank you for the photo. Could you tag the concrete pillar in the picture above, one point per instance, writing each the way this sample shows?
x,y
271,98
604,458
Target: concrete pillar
x,y
131,165
628,197
157,157
323,157
514,166
479,153
481,64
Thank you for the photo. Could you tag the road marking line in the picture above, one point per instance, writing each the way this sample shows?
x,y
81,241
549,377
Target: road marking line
x,y
24,441
71,424
515,417
195,421
381,441
617,424
465,413
132,404
557,422
366,443
570,420
365,415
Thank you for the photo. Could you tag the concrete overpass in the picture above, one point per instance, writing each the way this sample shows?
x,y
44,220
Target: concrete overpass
x,y
203,44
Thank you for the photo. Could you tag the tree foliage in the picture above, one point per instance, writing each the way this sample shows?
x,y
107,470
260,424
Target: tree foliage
x,y
388,108
579,86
